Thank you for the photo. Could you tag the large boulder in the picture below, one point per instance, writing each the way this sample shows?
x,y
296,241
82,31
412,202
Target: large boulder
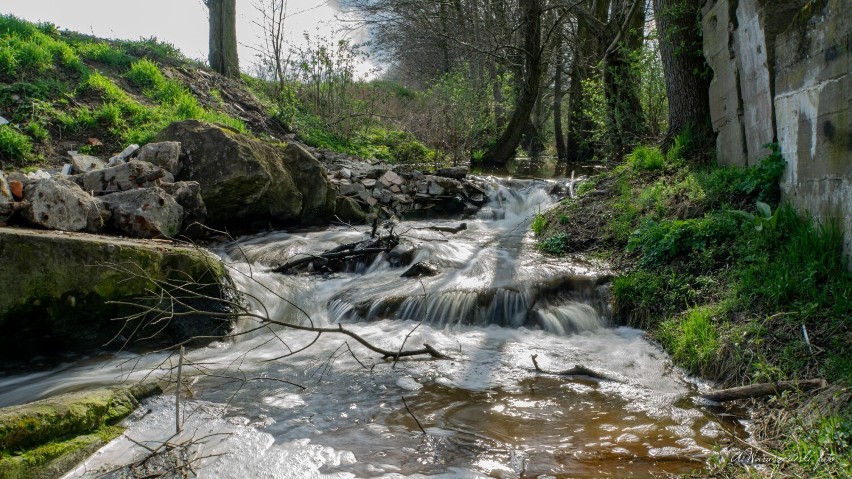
x,y
59,204
245,181
145,213
61,292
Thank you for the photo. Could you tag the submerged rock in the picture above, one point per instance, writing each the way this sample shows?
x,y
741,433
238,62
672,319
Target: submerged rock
x,y
421,269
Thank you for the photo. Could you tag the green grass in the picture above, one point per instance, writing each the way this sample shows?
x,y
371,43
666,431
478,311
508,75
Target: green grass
x,y
692,338
646,158
56,84
15,147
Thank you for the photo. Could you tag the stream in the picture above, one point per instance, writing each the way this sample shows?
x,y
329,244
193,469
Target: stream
x,y
483,413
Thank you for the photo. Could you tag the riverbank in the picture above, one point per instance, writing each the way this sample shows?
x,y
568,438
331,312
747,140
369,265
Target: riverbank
x,y
732,282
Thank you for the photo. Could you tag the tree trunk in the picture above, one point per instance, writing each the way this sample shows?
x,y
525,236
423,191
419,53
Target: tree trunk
x,y
588,52
625,122
561,155
687,75
504,149
223,37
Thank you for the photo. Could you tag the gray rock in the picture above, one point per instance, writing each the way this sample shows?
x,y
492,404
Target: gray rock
x,y
349,210
123,156
117,178
421,269
369,182
188,195
5,196
165,154
60,204
145,213
391,178
86,163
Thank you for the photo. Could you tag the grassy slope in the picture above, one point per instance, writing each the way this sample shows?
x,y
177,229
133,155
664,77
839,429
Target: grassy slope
x,y
59,89
724,277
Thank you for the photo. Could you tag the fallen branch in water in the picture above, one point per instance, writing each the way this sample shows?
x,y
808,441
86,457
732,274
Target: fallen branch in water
x,y
445,229
342,252
575,371
764,389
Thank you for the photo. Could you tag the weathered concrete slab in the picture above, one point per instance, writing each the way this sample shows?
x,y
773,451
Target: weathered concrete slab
x,y
56,288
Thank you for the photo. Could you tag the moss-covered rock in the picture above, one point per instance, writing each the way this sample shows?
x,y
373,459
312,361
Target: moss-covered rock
x,y
46,438
58,290
245,181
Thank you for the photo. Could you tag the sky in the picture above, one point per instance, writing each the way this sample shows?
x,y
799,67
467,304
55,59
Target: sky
x,y
182,23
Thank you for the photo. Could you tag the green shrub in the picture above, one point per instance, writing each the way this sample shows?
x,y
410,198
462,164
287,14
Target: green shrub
x,y
146,74
555,245
14,146
646,158
539,223
661,242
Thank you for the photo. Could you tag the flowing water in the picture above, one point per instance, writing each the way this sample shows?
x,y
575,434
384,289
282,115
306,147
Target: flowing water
x,y
484,412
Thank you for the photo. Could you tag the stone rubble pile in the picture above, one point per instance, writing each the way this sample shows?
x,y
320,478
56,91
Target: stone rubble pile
x,y
134,193
402,191
196,173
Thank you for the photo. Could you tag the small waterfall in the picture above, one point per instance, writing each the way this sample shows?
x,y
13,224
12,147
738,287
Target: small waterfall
x,y
490,274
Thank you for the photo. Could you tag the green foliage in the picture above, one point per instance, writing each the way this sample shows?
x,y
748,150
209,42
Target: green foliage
x,y
104,52
646,158
795,266
692,338
702,240
14,146
539,223
823,449
762,180
556,244
146,74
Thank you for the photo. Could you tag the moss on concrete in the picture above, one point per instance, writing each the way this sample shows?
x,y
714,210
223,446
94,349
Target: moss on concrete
x,y
46,438
57,289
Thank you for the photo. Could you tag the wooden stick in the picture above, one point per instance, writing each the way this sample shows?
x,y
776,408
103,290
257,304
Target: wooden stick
x,y
763,389
412,415
575,371
177,392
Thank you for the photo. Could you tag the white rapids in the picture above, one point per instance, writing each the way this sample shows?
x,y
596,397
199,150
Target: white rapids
x,y
336,410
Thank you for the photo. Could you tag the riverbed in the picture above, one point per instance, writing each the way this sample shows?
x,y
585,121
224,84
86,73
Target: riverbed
x,y
257,407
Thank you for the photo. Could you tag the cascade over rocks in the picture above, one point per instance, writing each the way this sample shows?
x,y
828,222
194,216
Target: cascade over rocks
x,y
244,180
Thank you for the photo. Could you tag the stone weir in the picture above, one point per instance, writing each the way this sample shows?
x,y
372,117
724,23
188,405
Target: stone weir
x,y
61,292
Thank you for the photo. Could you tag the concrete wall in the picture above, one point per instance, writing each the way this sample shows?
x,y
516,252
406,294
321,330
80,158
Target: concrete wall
x,y
812,110
782,73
